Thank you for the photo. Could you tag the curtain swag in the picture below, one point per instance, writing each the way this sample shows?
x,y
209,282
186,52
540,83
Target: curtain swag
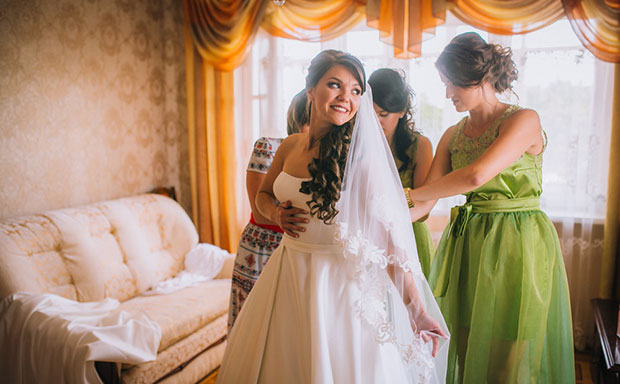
x,y
597,25
224,29
509,17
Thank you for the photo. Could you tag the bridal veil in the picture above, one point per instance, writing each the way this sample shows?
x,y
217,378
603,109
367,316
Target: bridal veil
x,y
374,227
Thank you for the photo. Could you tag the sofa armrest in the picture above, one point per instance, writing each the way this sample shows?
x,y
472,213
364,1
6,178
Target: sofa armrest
x,y
227,268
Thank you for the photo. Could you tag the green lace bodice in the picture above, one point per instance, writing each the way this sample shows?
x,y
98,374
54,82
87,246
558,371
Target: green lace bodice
x,y
522,178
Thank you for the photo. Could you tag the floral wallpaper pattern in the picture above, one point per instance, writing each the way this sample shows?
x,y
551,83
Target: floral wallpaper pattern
x,y
92,102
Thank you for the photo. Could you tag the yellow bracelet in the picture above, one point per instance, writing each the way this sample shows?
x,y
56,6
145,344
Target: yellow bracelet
x,y
410,202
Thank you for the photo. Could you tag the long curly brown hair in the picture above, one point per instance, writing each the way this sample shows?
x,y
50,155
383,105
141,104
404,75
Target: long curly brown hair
x,y
327,169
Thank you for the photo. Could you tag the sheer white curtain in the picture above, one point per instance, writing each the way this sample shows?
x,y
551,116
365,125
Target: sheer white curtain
x,y
561,80
571,90
579,166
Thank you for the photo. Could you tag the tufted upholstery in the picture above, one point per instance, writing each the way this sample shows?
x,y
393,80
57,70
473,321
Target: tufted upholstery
x,y
110,249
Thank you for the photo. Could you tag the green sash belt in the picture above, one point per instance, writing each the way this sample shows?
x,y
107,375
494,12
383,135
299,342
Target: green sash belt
x,y
459,216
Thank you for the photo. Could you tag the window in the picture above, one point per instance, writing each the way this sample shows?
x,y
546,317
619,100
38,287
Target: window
x,y
558,77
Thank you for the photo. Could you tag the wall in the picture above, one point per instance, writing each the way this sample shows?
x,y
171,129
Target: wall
x,y
92,102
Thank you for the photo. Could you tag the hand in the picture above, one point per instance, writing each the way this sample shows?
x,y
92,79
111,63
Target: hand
x,y
286,218
429,329
421,210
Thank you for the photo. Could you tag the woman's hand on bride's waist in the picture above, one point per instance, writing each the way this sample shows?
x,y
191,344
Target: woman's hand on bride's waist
x,y
287,218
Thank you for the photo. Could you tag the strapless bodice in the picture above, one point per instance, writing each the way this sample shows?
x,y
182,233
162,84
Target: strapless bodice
x,y
286,187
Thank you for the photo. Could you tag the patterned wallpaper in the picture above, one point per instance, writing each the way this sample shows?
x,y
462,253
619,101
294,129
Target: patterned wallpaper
x,y
92,102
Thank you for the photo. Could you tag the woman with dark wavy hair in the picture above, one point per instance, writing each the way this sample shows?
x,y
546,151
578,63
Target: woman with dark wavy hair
x,y
413,152
498,272
343,298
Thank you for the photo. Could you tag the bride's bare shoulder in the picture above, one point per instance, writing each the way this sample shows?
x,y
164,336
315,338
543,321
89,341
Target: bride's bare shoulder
x,y
292,141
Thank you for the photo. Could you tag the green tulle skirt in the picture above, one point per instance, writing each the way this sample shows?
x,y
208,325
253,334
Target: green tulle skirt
x,y
425,246
500,282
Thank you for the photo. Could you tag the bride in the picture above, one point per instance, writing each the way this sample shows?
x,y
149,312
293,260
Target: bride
x,y
343,298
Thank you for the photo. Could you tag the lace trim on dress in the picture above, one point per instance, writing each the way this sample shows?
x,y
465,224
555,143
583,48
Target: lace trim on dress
x,y
366,264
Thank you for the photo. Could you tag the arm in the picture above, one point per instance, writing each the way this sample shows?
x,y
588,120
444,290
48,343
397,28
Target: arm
x,y
440,166
259,163
253,181
519,133
404,281
283,214
423,160
421,322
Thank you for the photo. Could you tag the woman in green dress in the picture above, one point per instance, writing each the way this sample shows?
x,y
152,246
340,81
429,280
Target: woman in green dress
x,y
412,152
498,272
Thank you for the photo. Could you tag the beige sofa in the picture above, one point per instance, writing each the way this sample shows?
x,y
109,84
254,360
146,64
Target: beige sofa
x,y
119,249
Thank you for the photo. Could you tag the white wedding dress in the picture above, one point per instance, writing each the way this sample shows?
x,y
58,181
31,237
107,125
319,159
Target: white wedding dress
x,y
304,326
328,306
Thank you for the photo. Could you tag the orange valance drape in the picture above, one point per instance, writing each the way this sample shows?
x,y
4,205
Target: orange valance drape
x,y
223,29
310,20
401,23
597,25
508,17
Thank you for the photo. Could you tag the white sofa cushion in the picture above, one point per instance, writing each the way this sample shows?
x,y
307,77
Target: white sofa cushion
x,y
110,249
92,254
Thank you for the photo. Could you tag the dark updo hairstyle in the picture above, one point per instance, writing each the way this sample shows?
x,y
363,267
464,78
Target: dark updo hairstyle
x,y
328,169
391,92
298,114
468,61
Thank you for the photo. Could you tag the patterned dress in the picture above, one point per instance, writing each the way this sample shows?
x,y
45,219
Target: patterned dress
x,y
423,239
257,241
499,278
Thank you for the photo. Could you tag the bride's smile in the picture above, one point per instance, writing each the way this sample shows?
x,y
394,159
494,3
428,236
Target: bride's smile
x,y
335,99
